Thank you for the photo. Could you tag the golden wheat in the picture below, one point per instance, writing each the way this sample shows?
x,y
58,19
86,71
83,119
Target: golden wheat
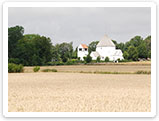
x,y
78,92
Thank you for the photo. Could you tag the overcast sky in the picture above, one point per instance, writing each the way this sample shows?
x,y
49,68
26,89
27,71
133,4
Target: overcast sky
x,y
83,25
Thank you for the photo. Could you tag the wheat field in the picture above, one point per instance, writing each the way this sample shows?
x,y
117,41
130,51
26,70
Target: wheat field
x,y
93,68
78,92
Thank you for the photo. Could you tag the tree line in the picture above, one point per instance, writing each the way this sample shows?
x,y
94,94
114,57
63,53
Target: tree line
x,y
33,49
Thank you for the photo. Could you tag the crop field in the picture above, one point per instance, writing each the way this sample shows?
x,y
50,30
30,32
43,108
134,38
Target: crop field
x,y
80,92
124,67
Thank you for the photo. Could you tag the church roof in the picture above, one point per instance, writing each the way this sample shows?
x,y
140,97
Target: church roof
x,y
84,46
105,42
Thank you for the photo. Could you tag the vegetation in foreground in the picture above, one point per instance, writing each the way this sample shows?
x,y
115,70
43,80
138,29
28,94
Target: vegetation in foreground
x,y
49,70
14,68
36,69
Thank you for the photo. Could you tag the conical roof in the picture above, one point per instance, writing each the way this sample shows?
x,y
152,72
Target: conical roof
x,y
105,42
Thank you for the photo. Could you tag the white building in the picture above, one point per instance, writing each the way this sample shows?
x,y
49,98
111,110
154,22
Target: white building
x,y
105,48
82,51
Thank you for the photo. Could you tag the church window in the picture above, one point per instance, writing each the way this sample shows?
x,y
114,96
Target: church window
x,y
85,49
80,49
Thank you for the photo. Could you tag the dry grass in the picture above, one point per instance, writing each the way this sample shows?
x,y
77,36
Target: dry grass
x,y
78,92
96,68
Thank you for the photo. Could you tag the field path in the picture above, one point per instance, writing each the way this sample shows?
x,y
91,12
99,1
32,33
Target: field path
x,y
77,92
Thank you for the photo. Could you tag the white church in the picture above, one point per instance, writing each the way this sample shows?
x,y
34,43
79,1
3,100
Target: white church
x,y
105,48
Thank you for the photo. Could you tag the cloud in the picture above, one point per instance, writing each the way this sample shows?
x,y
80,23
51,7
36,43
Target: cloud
x,y
83,24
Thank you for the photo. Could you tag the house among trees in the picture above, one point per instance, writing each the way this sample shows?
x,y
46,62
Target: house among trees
x,y
82,51
105,48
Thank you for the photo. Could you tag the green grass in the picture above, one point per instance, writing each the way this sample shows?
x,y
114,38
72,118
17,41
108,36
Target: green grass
x,y
49,70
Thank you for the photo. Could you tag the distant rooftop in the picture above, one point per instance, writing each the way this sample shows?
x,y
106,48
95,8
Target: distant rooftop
x,y
105,42
84,46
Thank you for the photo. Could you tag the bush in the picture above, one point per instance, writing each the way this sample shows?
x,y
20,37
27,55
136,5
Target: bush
x,y
69,63
72,62
36,68
143,72
14,68
88,59
49,70
107,59
98,59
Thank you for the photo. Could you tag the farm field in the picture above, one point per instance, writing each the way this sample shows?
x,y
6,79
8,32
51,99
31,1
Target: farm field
x,y
118,67
78,92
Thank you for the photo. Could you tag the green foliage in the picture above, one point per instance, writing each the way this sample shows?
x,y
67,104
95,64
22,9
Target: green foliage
x,y
126,55
148,46
143,47
107,59
92,46
98,59
88,58
118,60
120,46
133,53
36,68
13,60
34,50
149,54
142,50
72,62
115,42
14,34
74,54
55,63
49,70
65,51
14,68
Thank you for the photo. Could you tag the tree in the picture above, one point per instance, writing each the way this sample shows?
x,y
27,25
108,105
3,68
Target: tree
x,y
34,50
142,50
120,46
148,46
125,55
74,54
92,46
65,51
55,54
133,53
98,59
107,59
115,42
135,41
14,34
88,58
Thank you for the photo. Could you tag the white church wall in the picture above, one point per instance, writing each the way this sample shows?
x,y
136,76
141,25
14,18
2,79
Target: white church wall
x,y
93,56
105,51
82,52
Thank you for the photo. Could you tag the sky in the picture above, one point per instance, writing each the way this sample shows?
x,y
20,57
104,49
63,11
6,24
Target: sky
x,y
82,25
